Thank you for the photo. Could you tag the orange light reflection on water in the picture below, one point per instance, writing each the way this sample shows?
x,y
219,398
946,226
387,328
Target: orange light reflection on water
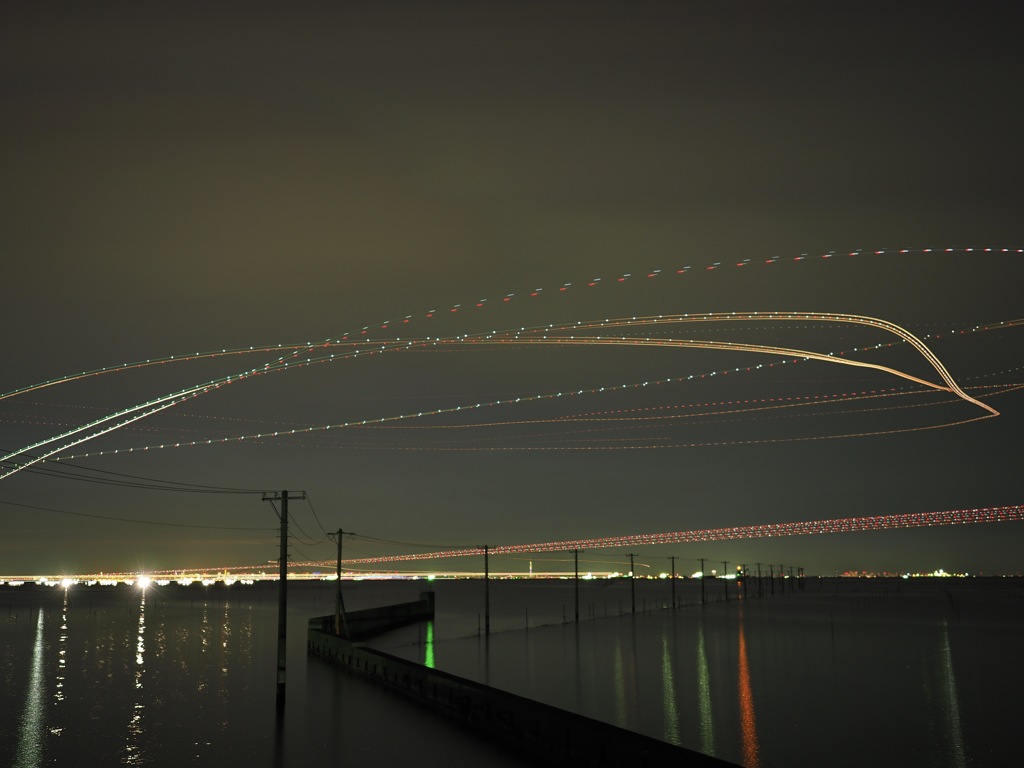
x,y
748,723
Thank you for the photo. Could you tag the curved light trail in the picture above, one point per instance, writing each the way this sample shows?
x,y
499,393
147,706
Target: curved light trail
x,y
542,335
291,358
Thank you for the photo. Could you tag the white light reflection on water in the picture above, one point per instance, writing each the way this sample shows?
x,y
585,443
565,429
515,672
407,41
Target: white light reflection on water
x,y
707,724
30,737
953,732
133,753
668,688
62,659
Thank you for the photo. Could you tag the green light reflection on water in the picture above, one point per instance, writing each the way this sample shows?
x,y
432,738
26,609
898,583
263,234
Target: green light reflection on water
x,y
428,648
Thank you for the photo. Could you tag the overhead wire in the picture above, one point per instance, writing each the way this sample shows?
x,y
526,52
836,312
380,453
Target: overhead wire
x,y
132,519
142,482
316,517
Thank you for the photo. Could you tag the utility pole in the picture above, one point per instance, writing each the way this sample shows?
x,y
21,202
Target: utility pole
x,y
282,606
725,581
632,585
743,570
771,577
487,591
759,592
703,601
672,576
340,619
576,581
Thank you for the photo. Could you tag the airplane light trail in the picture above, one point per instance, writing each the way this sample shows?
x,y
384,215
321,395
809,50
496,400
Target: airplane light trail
x,y
47,448
514,337
763,531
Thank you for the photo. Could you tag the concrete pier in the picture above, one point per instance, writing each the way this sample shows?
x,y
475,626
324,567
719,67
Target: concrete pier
x,y
547,734
374,621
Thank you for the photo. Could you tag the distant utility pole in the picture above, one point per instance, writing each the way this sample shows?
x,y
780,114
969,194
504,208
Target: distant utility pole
x,y
743,570
487,591
672,577
632,586
282,606
576,581
725,581
771,578
703,601
759,593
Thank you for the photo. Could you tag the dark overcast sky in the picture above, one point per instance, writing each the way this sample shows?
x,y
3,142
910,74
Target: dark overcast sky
x,y
187,179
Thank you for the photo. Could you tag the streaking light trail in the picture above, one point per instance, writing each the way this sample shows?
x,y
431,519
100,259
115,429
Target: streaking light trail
x,y
546,335
764,531
290,357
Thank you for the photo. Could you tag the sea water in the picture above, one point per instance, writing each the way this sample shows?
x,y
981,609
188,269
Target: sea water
x,y
841,672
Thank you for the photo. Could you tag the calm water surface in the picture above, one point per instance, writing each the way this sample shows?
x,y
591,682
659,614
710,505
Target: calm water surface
x,y
882,673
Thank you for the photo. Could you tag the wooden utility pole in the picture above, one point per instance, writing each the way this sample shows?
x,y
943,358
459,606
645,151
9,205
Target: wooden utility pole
x,y
340,619
725,581
487,591
703,575
282,605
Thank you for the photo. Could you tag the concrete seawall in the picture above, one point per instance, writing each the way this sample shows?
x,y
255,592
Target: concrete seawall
x,y
545,733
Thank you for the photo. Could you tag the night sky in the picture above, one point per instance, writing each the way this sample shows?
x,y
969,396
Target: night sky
x,y
178,180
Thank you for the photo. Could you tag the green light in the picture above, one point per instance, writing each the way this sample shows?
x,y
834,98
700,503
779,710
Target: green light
x,y
428,650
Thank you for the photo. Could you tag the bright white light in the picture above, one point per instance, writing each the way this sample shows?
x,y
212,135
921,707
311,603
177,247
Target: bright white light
x,y
143,582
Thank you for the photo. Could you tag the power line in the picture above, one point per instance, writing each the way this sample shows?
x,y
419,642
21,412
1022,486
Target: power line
x,y
57,474
142,481
316,517
309,539
132,519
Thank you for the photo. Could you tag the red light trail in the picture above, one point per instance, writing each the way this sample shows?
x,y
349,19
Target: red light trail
x,y
763,531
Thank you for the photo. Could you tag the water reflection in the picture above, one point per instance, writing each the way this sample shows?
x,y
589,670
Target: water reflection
x,y
30,738
748,724
668,689
62,660
954,734
707,725
133,751
620,685
428,646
